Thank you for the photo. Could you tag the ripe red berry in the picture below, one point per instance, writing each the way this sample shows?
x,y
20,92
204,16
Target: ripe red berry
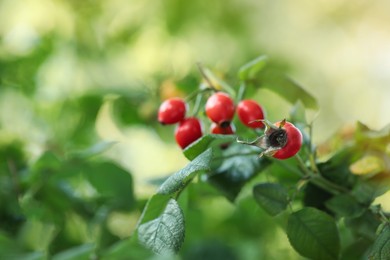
x,y
293,141
220,108
217,129
281,140
172,111
248,111
188,131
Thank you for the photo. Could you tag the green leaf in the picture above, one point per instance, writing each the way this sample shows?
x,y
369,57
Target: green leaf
x,y
8,247
206,141
287,88
164,234
215,249
363,225
381,248
179,180
76,129
83,252
38,255
368,165
218,82
48,163
242,163
95,149
366,191
345,205
314,234
12,154
126,249
153,208
46,203
373,139
316,197
356,250
336,169
113,183
250,70
380,182
126,109
272,197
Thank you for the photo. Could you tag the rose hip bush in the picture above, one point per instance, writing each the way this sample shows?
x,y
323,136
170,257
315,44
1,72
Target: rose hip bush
x,y
325,206
256,186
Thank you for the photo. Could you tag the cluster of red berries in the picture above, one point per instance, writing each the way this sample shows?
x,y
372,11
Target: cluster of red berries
x,y
220,109
173,111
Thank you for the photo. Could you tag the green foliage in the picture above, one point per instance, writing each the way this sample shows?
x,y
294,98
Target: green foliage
x,y
330,186
200,145
345,205
61,187
115,190
176,182
161,225
287,88
250,70
314,234
240,166
79,253
127,107
19,72
381,247
52,194
272,197
164,234
256,74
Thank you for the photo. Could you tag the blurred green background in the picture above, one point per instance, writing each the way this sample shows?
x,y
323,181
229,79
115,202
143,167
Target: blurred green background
x,y
53,50
76,73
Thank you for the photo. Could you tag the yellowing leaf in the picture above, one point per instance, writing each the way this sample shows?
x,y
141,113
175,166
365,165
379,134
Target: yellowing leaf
x,y
369,164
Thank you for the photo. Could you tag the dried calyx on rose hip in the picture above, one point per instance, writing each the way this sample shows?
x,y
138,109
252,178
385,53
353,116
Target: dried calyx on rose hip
x,y
281,140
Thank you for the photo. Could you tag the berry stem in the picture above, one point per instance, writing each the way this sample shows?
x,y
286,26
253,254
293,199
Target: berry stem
x,y
383,216
196,93
318,179
198,102
207,74
287,166
204,75
241,92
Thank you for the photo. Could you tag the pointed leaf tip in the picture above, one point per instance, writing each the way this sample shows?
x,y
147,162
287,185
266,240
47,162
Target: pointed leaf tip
x,y
314,234
178,181
250,70
165,234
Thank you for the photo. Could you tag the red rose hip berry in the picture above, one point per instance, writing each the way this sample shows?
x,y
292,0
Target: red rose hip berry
x,y
293,141
248,111
220,108
172,111
281,140
188,131
217,129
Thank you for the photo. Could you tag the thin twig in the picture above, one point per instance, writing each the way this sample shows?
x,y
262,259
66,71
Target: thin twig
x,y
319,180
203,73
